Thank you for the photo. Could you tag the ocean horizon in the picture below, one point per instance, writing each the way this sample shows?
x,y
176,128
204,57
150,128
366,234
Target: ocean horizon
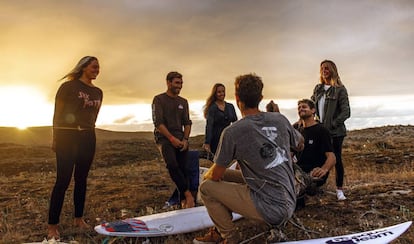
x,y
366,112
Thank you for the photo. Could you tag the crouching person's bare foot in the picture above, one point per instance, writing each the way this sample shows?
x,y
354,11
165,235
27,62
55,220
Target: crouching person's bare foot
x,y
80,222
53,232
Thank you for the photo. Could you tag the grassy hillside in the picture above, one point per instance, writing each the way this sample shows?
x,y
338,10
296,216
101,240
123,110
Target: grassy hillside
x,y
128,178
43,135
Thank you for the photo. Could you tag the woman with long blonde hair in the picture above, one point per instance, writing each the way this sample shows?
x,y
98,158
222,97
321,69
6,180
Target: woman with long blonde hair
x,y
332,109
77,105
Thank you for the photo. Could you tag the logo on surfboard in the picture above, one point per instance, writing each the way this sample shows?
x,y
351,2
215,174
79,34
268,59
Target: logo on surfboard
x,y
361,237
166,228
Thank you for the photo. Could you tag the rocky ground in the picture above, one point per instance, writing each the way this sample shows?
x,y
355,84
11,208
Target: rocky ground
x,y
129,179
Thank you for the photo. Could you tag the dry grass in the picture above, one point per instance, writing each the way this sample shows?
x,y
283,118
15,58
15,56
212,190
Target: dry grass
x,y
129,179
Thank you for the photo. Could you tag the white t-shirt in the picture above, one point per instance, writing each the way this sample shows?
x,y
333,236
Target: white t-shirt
x,y
321,104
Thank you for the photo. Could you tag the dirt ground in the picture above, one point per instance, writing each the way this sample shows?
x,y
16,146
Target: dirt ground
x,y
128,179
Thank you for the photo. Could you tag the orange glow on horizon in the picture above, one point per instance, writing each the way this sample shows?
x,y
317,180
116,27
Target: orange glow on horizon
x,y
24,106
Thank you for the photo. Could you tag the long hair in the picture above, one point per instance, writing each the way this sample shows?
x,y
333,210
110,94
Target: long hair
x,y
212,98
335,79
76,72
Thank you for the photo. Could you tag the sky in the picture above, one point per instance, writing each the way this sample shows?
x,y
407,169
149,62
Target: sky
x,y
138,42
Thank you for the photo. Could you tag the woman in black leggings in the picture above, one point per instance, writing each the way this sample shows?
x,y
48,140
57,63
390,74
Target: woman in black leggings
x,y
77,105
332,108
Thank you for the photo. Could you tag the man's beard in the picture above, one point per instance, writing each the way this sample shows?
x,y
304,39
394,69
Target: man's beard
x,y
305,116
176,91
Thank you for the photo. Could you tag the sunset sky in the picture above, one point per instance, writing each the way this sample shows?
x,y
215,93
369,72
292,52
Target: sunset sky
x,y
139,41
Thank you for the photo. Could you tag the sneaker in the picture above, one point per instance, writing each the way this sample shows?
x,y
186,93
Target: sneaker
x,y
167,205
170,206
340,195
212,236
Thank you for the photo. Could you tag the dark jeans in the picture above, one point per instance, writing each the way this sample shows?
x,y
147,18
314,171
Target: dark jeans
x,y
176,163
193,173
337,147
75,151
305,185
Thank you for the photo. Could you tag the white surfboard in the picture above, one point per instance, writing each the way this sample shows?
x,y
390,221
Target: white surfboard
x,y
377,236
160,224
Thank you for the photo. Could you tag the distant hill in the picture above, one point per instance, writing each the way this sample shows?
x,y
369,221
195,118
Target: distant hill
x,y
43,135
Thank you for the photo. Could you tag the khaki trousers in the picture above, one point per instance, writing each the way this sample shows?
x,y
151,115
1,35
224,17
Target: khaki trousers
x,y
221,198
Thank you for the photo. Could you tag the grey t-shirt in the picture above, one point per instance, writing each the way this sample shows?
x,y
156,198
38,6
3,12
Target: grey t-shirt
x,y
261,144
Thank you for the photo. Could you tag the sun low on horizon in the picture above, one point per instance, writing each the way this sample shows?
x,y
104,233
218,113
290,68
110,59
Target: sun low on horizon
x,y
28,106
24,106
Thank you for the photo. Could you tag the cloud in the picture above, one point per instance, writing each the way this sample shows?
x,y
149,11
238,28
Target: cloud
x,y
139,42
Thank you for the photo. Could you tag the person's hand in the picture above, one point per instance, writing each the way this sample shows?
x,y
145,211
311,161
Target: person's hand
x,y
176,143
318,172
301,146
207,148
209,174
184,145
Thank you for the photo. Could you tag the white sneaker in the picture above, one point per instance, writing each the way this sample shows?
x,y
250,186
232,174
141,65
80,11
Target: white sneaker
x,y
167,205
340,195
